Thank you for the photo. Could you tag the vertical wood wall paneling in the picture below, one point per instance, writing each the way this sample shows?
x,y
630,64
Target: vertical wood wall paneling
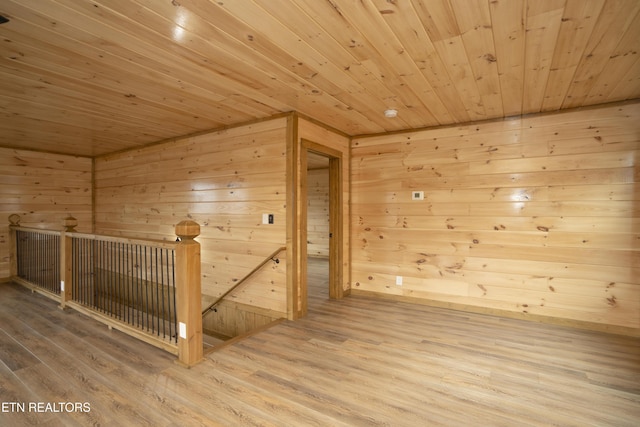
x,y
42,188
535,217
225,181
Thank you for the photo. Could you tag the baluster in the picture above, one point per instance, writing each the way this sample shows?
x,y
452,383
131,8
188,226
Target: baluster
x,y
14,221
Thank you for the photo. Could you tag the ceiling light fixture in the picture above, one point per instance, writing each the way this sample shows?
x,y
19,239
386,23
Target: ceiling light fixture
x,y
390,113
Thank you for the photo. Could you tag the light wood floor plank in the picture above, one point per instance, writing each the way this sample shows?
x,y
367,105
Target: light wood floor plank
x,y
358,361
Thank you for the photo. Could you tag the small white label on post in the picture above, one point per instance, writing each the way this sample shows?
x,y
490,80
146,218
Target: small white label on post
x,y
62,285
183,330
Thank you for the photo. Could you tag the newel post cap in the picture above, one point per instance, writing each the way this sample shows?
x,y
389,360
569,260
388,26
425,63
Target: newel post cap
x,y
187,230
70,223
14,219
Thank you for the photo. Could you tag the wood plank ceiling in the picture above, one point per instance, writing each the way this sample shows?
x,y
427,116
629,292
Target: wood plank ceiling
x,y
93,77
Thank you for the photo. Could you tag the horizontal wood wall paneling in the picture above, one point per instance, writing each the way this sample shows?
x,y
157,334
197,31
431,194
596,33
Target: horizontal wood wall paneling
x,y
43,189
419,177
318,213
514,224
535,215
225,181
233,319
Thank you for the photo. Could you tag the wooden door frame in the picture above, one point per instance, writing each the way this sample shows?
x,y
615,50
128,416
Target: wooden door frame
x,y
297,283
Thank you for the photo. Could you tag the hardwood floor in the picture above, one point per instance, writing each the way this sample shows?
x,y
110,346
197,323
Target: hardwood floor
x,y
359,361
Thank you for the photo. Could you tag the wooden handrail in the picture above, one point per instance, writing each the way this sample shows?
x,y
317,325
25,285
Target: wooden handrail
x,y
36,230
241,281
165,244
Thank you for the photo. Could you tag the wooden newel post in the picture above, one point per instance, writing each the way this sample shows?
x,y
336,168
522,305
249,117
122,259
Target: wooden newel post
x,y
66,254
70,224
188,294
14,221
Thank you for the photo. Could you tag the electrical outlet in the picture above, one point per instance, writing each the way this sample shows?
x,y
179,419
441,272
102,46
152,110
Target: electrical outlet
x,y
417,195
398,280
267,218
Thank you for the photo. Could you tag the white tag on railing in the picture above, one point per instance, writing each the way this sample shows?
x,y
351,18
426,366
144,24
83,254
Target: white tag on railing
x,y
62,285
183,330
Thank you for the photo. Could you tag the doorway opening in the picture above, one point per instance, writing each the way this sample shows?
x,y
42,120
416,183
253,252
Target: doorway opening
x,y
318,230
313,157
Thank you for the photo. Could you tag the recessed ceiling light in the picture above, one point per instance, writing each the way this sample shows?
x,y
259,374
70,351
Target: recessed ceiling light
x,y
390,113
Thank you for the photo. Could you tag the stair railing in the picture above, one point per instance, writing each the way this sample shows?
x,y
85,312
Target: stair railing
x,y
272,257
147,289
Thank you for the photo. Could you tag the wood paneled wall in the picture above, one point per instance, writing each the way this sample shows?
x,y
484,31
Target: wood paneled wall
x,y
42,188
535,217
318,213
225,181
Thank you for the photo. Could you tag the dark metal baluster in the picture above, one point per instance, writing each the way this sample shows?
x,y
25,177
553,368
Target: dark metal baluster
x,y
74,273
74,269
111,282
120,280
34,263
88,260
82,261
136,298
56,261
84,257
164,308
79,270
99,286
46,278
49,266
104,285
107,278
157,283
18,251
29,261
173,289
42,264
42,279
85,263
126,291
146,288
